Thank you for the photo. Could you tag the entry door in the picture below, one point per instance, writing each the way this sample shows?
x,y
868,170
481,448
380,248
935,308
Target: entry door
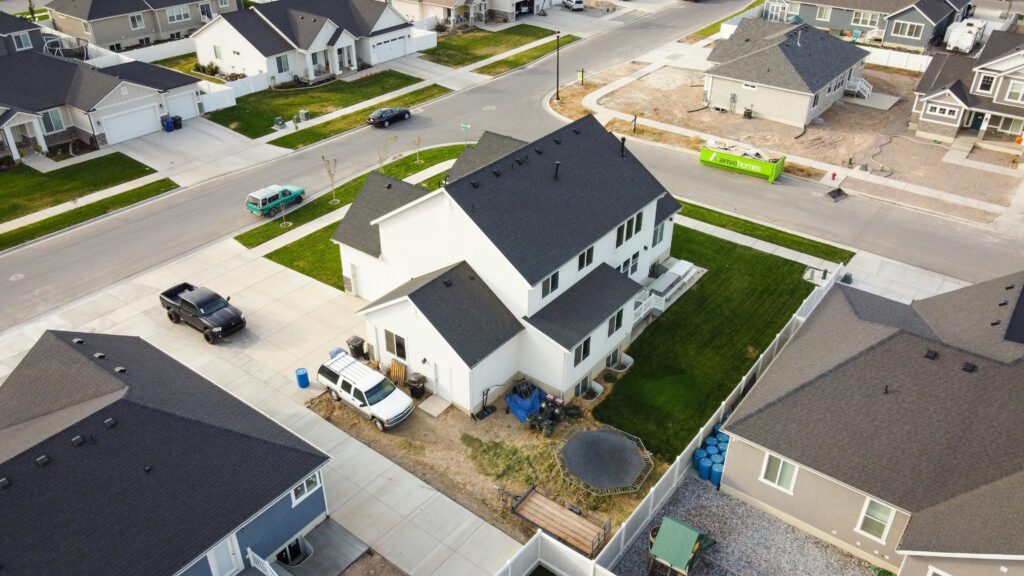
x,y
443,382
225,559
776,12
204,9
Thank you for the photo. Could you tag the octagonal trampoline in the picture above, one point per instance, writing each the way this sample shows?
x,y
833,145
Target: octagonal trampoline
x,y
605,461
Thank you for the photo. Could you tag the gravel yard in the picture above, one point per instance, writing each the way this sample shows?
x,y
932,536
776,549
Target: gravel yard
x,y
749,541
1001,159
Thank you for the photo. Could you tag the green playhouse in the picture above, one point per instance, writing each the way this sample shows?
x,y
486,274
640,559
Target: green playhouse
x,y
675,546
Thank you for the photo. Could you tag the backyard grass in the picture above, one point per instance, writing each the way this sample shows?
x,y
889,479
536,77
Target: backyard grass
x,y
87,212
717,26
775,236
254,114
458,50
400,169
314,134
525,57
692,357
24,190
184,64
314,255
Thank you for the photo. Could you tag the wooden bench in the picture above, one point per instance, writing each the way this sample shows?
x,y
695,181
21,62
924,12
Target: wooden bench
x,y
560,522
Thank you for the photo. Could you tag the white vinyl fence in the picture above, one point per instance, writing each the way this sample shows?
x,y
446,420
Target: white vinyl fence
x,y
215,96
249,84
162,50
423,39
894,59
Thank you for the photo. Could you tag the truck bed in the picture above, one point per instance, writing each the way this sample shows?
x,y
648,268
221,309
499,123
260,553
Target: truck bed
x,y
173,295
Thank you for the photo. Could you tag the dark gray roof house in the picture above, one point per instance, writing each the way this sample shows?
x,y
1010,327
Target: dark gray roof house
x,y
10,24
378,196
258,32
107,443
301,20
488,148
96,9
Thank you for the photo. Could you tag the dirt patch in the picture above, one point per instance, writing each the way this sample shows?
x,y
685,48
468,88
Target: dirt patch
x,y
904,198
480,464
374,565
654,134
571,103
1001,159
801,171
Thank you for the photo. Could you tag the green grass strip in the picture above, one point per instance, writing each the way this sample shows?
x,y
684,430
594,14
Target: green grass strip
x,y
717,26
463,48
87,212
524,57
356,119
768,234
313,255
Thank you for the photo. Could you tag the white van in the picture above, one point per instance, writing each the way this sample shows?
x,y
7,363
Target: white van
x,y
573,5
366,390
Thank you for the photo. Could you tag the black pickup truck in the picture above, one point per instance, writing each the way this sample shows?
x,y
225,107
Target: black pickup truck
x,y
202,309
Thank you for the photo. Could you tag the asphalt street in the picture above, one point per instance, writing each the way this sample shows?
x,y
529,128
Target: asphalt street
x,y
43,276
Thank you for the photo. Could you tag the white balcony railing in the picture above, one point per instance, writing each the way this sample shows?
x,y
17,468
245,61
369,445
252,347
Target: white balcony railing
x,y
859,87
259,563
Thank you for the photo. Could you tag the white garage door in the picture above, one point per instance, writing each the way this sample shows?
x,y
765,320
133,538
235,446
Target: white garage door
x,y
391,49
183,105
131,124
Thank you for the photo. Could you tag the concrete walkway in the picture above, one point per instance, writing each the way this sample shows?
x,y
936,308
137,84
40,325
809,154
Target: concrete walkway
x,y
44,164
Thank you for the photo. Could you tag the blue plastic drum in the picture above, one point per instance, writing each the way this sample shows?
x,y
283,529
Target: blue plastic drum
x,y
704,469
716,474
711,450
711,441
302,377
722,438
717,459
698,455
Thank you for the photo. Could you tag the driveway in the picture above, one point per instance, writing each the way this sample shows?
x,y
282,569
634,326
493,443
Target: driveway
x,y
199,151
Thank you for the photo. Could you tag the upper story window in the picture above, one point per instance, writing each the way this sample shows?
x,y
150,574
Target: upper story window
x,y
586,258
216,52
1015,91
178,14
793,8
865,19
907,30
779,473
581,353
22,41
137,22
875,520
303,489
222,3
659,234
615,322
823,13
627,229
394,344
549,285
986,83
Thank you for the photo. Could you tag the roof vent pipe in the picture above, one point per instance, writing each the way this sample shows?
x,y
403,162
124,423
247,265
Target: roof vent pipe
x,y
120,369
557,164
622,148
78,341
799,31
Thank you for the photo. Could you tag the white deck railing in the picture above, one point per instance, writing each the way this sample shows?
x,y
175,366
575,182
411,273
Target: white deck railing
x,y
259,563
860,87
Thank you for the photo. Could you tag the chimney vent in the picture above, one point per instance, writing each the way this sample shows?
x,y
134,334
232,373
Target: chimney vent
x,y
78,341
886,389
995,323
388,185
121,370
4,483
931,354
447,282
474,184
969,367
558,140
42,460
1011,287
557,165
576,131
99,355
496,172
538,151
1004,303
147,469
77,441
110,422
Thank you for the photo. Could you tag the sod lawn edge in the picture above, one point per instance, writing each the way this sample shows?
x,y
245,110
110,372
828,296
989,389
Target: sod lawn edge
x,y
462,49
525,57
313,255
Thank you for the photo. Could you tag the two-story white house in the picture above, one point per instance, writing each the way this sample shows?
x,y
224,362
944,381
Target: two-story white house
x,y
530,263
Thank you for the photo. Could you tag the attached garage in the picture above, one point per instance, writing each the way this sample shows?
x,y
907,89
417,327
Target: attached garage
x,y
389,49
131,124
183,105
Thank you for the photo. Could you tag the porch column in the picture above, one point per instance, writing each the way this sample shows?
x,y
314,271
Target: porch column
x,y
332,61
984,124
309,66
37,126
11,144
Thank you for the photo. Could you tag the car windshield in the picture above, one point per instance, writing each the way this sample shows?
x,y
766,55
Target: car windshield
x,y
252,200
212,306
378,113
380,391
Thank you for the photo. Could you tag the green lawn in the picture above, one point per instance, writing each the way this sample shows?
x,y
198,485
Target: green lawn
x,y
692,357
714,28
314,255
457,50
355,119
821,250
525,57
87,212
400,169
254,114
184,64
24,190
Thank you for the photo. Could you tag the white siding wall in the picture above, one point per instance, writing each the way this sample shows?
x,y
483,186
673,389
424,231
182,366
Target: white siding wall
x,y
320,42
414,240
371,277
78,118
368,53
601,345
220,33
390,17
542,360
493,370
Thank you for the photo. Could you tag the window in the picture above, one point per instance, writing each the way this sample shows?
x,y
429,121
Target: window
x,y
395,344
659,234
52,122
137,22
178,14
222,3
1015,92
779,473
865,19
359,396
22,41
549,285
942,111
586,258
823,13
907,30
582,386
581,353
612,360
173,35
346,387
615,322
750,86
327,374
986,83
301,491
216,52
282,63
115,47
313,58
793,8
875,520
638,222
634,263
815,103
624,268
620,235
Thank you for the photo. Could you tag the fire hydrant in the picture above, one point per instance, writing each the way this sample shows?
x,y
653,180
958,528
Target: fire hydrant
x,y
833,175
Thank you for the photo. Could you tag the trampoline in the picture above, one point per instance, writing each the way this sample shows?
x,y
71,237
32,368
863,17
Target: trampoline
x,y
604,462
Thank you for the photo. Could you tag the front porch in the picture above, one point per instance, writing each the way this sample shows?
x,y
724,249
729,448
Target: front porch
x,y
993,131
22,133
329,63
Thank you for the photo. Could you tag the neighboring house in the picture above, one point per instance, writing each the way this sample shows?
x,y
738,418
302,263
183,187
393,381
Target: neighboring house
x,y
979,97
451,12
58,100
893,431
898,23
18,34
529,263
116,459
788,73
308,40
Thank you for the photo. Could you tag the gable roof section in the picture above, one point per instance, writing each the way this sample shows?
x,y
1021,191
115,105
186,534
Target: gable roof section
x,y
150,75
934,10
379,195
51,82
263,38
96,9
9,24
539,223
792,57
575,313
460,306
489,147
195,437
298,24
667,207
955,73
1000,44
301,20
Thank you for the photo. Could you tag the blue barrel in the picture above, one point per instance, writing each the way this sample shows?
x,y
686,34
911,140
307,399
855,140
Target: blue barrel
x,y
168,123
711,441
718,428
698,455
302,377
711,450
336,351
717,459
722,438
722,448
716,474
704,468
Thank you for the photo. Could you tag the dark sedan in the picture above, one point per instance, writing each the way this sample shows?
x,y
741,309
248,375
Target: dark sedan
x,y
386,116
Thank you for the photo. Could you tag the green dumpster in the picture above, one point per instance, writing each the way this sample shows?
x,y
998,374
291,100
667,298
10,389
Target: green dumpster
x,y
742,164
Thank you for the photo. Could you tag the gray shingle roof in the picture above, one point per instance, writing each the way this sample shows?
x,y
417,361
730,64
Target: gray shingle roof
x,y
954,72
883,6
539,223
667,207
10,24
215,461
999,44
95,9
256,30
301,20
793,57
150,75
460,306
934,10
575,313
379,195
489,147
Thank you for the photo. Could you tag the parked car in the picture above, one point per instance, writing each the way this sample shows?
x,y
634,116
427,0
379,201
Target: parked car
x,y
202,309
366,390
385,116
573,5
268,201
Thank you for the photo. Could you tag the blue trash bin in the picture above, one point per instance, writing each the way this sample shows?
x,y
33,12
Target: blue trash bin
x,y
716,474
711,441
704,469
168,123
336,351
302,377
711,450
699,455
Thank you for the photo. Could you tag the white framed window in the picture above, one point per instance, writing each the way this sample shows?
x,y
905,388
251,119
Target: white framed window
x,y
823,13
779,473
986,83
1010,125
615,322
942,111
586,258
875,520
583,385
52,121
659,234
137,22
793,8
815,103
626,230
222,3
865,19
22,41
1015,91
581,353
303,489
86,26
394,344
216,52
282,63
178,14
549,285
907,30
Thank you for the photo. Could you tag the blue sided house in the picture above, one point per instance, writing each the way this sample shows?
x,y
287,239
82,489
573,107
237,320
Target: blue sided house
x,y
117,460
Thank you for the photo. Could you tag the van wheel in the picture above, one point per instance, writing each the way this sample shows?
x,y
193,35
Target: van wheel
x,y
208,336
272,212
173,316
335,396
378,424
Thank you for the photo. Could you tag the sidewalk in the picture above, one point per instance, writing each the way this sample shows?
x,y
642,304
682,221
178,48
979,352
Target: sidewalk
x,y
44,164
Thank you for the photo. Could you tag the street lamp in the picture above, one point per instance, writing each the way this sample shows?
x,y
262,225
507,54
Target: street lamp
x,y
558,45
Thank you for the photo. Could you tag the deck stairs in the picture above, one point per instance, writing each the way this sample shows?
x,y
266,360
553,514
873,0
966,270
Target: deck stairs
x,y
859,87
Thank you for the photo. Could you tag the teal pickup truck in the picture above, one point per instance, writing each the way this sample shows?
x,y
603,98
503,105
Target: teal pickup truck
x,y
273,199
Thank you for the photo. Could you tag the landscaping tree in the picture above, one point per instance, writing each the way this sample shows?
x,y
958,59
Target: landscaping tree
x,y
330,166
384,152
417,142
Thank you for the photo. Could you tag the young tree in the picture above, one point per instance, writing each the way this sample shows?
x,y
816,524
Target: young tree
x,y
418,142
330,166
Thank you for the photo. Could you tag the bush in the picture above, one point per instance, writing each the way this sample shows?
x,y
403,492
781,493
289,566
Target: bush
x,y
440,28
234,76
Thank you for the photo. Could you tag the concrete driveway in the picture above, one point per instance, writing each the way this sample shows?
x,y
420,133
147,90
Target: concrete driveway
x,y
200,150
